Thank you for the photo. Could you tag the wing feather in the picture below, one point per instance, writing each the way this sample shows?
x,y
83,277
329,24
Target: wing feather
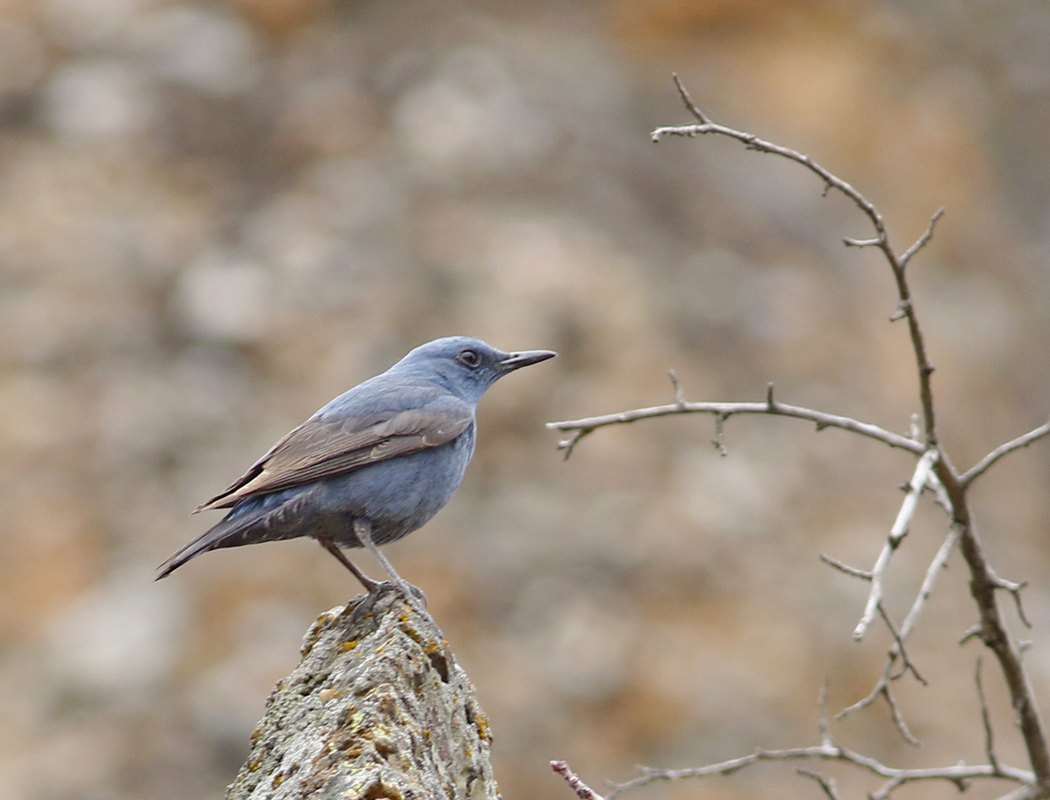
x,y
325,446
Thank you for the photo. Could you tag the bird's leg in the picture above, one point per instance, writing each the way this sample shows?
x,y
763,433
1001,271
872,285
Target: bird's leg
x,y
369,584
363,532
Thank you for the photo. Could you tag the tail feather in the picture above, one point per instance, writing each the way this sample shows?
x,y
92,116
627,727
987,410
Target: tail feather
x,y
266,518
200,545
230,532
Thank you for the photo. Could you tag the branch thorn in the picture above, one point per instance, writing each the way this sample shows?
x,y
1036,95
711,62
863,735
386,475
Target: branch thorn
x,y
679,395
718,441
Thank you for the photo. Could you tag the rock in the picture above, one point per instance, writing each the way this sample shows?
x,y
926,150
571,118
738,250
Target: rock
x,y
378,707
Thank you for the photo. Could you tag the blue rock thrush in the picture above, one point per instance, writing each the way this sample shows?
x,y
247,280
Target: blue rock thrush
x,y
373,465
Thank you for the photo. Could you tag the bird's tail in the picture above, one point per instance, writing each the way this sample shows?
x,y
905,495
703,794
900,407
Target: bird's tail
x,y
202,544
230,532
266,518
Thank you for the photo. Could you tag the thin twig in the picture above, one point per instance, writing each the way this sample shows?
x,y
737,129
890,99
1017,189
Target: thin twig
x,y
880,240
853,571
910,621
953,773
568,445
922,240
897,534
898,717
1015,590
982,466
939,562
940,496
583,791
956,774
994,633
986,721
827,784
898,644
582,427
688,101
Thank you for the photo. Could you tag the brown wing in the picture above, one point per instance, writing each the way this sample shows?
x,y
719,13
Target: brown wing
x,y
321,448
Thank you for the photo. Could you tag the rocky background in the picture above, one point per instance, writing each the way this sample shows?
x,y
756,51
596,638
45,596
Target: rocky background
x,y
215,216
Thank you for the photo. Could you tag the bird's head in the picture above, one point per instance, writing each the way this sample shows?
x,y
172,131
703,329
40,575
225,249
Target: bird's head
x,y
465,365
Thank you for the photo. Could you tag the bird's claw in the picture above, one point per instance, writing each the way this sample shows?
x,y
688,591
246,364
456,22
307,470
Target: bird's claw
x,y
407,590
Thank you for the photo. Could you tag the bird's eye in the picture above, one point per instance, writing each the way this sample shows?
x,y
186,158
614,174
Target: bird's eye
x,y
470,358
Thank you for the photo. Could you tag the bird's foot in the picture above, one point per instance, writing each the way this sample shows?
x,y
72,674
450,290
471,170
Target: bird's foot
x,y
409,591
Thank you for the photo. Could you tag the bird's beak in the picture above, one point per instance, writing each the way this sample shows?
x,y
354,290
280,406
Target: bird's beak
x,y
523,359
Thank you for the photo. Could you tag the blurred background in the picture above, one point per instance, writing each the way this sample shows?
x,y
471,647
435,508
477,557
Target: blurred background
x,y
215,216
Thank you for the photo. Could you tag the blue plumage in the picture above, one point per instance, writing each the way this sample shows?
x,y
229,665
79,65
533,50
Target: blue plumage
x,y
372,465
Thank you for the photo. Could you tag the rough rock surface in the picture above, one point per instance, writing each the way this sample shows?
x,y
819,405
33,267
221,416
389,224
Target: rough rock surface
x,y
377,708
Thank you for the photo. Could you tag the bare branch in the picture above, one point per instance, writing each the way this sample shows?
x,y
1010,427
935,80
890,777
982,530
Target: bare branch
x,y
941,496
834,562
989,736
897,534
873,695
940,561
688,101
910,621
568,445
994,634
898,718
880,240
582,427
583,791
1015,590
957,774
982,466
941,475
827,784
898,777
752,142
898,643
922,240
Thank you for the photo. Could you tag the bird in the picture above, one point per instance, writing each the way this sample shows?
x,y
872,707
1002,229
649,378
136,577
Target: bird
x,y
371,466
